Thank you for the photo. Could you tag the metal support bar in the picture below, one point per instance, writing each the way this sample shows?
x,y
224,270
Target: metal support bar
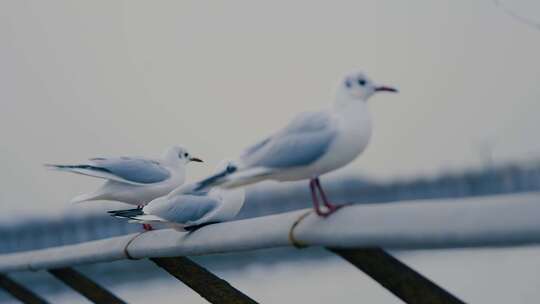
x,y
86,287
202,281
20,292
401,280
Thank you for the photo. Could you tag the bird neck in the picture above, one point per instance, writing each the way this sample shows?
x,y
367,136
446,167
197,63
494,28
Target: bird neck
x,y
174,161
350,107
344,102
171,155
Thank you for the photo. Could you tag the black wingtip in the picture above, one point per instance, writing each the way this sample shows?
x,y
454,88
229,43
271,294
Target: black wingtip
x,y
53,166
215,179
126,213
197,227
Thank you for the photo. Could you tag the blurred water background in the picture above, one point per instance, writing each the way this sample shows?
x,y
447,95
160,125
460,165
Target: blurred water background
x,y
281,275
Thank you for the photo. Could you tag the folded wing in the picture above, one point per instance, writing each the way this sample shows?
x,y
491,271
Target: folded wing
x,y
130,170
183,209
303,141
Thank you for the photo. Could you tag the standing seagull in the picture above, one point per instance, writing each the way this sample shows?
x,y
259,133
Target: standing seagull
x,y
134,180
185,209
312,144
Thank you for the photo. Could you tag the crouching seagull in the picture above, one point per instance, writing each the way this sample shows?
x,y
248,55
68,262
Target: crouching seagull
x,y
187,209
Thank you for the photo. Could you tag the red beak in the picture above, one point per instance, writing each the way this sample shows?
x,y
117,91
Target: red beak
x,y
386,89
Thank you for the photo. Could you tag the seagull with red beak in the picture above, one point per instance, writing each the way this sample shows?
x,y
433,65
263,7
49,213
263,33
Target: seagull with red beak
x,y
312,144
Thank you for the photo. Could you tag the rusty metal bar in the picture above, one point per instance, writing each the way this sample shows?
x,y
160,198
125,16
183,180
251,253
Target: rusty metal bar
x,y
86,287
202,281
398,278
20,292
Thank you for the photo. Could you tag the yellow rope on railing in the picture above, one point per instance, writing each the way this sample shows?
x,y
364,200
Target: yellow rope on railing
x,y
297,243
126,252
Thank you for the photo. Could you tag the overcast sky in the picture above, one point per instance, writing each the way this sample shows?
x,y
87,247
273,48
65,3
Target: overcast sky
x,y
105,78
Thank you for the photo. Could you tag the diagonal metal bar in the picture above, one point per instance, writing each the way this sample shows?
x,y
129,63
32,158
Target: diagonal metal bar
x,y
202,281
401,280
86,287
20,292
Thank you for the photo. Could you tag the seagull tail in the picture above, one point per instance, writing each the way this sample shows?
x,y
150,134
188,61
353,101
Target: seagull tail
x,y
65,168
216,179
246,177
85,198
146,219
80,168
58,167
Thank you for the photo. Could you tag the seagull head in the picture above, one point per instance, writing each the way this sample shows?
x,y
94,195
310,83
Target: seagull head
x,y
357,86
181,154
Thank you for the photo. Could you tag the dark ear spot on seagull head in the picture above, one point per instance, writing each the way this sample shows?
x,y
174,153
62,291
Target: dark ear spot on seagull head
x,y
359,86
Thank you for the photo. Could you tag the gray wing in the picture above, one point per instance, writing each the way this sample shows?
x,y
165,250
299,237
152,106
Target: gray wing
x,y
130,169
186,208
256,147
303,141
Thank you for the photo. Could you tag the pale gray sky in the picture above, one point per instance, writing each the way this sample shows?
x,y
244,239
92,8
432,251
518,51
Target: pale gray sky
x,y
100,78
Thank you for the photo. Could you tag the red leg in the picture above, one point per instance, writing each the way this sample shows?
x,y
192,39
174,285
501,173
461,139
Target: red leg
x,y
331,207
146,227
314,198
323,195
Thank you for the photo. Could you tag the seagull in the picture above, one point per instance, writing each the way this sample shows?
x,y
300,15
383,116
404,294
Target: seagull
x,y
186,210
133,180
312,144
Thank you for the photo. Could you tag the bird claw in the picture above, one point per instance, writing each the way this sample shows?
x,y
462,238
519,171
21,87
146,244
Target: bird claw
x,y
328,210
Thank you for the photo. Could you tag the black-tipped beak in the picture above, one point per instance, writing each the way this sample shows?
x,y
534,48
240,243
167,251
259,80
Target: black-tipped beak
x,y
195,159
385,89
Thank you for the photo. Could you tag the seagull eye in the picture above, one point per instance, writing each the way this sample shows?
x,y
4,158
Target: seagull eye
x,y
186,155
362,82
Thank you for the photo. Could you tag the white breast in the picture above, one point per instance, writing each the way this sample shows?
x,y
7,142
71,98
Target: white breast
x,y
354,133
352,137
